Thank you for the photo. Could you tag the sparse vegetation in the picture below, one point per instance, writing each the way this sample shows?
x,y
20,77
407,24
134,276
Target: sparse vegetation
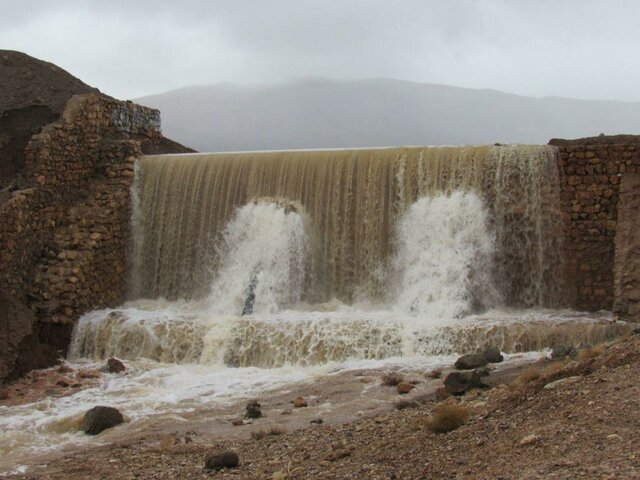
x,y
591,352
447,417
528,375
392,379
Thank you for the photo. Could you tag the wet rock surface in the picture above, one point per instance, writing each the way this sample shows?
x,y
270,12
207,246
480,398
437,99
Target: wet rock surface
x,y
101,418
115,366
457,383
470,361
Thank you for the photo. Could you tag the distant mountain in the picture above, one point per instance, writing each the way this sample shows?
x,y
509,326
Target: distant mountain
x,y
321,113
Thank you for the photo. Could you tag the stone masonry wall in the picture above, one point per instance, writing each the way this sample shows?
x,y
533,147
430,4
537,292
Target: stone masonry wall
x,y
63,238
627,264
591,171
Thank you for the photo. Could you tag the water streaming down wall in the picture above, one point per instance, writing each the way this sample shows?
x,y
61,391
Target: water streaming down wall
x,y
353,200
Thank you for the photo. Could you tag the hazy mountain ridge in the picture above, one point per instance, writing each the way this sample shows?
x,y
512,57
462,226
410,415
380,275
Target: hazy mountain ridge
x,y
321,113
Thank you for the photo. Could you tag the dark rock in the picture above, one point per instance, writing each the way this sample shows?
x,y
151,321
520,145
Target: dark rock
x,y
492,355
457,383
563,351
115,366
483,372
237,423
101,418
317,421
470,361
219,460
4,394
253,410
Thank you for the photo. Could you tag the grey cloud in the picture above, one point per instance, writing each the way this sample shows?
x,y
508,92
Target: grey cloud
x,y
575,48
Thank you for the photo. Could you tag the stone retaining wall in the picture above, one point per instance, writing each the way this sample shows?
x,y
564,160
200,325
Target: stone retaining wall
x,y
63,238
591,171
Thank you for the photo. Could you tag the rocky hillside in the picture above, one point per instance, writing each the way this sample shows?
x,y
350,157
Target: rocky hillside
x,y
33,94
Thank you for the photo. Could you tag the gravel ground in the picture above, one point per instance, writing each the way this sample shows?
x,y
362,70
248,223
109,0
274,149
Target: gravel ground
x,y
579,422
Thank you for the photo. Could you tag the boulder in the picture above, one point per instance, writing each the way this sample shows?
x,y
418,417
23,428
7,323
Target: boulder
x,y
219,460
563,351
470,361
101,418
253,410
492,355
115,366
457,383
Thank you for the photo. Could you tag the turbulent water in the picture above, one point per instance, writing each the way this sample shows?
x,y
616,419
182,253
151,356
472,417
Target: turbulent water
x,y
253,270
353,200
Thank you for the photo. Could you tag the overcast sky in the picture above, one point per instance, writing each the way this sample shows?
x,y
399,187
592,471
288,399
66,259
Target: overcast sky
x,y
129,48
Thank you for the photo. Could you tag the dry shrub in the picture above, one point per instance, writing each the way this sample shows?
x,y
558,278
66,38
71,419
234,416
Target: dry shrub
x,y
447,417
553,368
392,379
590,352
528,375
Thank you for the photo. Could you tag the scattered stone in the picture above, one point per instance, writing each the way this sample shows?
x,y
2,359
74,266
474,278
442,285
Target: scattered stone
x,y
562,381
317,421
115,366
404,388
442,394
338,454
286,411
470,361
253,410
614,437
101,418
563,351
219,460
529,440
435,373
300,402
237,423
492,355
457,383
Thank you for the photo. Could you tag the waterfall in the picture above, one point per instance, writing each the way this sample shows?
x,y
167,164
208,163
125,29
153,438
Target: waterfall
x,y
444,257
275,258
263,254
353,200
